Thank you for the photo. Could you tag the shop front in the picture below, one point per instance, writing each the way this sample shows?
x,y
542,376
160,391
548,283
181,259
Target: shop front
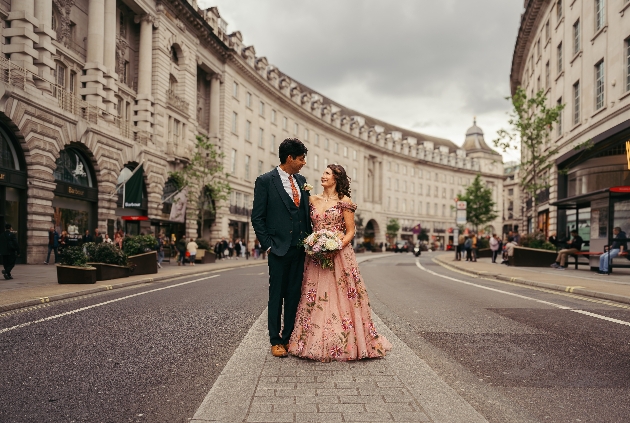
x,y
76,196
594,190
132,205
13,190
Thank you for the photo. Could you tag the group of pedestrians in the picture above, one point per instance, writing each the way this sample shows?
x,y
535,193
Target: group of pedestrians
x,y
186,251
238,248
57,243
468,246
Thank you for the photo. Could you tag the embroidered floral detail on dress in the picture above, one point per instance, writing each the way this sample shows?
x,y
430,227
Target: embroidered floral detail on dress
x,y
352,294
336,351
311,295
355,274
347,324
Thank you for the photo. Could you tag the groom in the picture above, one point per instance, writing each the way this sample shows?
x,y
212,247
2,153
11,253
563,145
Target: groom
x,y
281,220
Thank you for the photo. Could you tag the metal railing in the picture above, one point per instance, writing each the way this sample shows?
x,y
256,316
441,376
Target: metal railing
x,y
16,76
177,102
243,211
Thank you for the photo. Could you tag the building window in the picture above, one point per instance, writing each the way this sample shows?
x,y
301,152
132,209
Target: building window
x,y
247,160
538,48
599,85
260,167
559,125
420,190
547,34
233,162
305,134
429,209
325,163
248,130
559,58
396,203
273,143
576,37
404,206
628,64
261,109
73,81
559,10
336,148
235,122
576,103
261,137
600,14
404,186
389,183
345,151
411,187
235,90
436,191
316,139
511,191
396,186
273,116
397,168
435,208
444,210
354,173
284,122
327,144
296,128
547,80
248,100
60,75
316,162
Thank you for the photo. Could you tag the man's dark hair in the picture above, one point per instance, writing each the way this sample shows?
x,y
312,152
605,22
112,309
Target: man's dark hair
x,y
574,232
291,147
7,226
510,239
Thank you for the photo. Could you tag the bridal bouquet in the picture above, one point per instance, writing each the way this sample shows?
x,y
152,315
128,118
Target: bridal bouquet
x,y
322,246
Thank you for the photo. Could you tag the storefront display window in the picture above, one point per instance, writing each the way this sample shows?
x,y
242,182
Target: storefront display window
x,y
72,216
12,208
72,168
8,159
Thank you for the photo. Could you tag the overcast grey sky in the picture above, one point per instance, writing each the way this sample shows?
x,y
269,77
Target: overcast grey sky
x,y
426,65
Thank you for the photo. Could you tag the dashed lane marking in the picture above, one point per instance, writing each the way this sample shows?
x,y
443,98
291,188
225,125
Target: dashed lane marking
x,y
78,310
524,297
536,288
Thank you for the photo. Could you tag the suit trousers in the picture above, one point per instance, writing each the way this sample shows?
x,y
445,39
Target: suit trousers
x,y
8,261
285,288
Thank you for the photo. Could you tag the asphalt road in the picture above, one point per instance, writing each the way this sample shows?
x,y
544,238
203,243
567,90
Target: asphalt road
x,y
151,353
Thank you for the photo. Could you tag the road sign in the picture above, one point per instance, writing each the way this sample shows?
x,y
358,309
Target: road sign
x,y
461,217
461,205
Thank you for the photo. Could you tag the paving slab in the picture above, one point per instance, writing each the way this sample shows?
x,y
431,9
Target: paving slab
x,y
252,388
613,287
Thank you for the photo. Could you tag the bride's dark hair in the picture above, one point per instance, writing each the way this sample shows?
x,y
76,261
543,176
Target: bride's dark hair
x,y
342,179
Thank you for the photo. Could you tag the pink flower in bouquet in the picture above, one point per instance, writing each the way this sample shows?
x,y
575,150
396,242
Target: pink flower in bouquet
x,y
316,248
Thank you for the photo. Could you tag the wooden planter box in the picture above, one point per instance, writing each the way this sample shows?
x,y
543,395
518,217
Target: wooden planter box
x,y
532,257
75,274
143,264
105,272
484,252
205,257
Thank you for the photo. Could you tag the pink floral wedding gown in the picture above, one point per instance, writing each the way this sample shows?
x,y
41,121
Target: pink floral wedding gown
x,y
334,320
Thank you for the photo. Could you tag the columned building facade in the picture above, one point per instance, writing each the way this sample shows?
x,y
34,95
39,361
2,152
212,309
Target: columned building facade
x,y
93,89
578,53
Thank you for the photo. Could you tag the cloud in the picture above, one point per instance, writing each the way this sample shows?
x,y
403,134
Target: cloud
x,y
437,63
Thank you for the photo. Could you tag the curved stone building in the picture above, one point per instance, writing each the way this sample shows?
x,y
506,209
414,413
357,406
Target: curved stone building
x,y
92,89
578,52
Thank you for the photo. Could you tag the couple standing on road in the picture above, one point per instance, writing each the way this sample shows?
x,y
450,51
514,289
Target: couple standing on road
x,y
327,316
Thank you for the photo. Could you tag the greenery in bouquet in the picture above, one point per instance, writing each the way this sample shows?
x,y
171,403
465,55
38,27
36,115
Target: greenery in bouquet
x,y
133,245
74,256
322,246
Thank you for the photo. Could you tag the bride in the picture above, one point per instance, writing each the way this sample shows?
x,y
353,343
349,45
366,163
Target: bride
x,y
333,320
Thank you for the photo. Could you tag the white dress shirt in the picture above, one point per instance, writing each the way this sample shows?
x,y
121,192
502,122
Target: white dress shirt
x,y
284,177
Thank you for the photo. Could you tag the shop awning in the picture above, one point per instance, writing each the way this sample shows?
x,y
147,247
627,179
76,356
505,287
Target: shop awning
x,y
584,200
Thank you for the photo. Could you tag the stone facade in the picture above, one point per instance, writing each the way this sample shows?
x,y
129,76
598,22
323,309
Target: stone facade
x,y
122,86
577,52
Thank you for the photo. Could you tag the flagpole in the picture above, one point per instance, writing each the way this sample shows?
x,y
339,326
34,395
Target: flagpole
x,y
122,184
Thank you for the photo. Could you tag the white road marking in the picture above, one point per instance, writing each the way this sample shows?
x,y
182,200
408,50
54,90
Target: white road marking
x,y
524,297
67,313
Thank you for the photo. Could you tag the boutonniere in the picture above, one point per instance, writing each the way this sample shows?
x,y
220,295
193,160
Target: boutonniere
x,y
307,187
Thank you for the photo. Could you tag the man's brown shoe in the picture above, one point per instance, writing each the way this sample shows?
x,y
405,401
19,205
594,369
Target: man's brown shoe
x,y
286,347
278,351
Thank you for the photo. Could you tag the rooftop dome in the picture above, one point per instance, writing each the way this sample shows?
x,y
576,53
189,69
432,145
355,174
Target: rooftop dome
x,y
475,142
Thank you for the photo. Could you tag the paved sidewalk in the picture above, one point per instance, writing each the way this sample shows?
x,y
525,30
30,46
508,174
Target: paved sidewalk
x,y
36,284
614,287
254,386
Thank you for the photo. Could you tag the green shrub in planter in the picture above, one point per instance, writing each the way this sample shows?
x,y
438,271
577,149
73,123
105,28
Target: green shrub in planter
x,y
483,243
74,256
109,254
202,244
90,250
133,245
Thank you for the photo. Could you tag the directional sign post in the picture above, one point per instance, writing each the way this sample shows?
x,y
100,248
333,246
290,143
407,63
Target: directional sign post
x,y
460,217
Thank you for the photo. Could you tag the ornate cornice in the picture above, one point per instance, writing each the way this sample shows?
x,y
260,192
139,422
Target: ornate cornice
x,y
528,20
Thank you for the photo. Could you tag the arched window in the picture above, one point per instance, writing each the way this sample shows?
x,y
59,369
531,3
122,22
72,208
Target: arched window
x,y
174,56
8,156
72,168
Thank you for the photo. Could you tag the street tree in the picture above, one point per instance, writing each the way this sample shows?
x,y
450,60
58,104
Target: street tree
x,y
479,203
205,178
392,228
531,122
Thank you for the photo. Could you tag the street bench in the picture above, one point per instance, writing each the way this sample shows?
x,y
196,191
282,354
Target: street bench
x,y
614,263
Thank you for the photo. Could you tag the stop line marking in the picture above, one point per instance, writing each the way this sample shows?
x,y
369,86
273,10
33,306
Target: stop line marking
x,y
78,310
524,297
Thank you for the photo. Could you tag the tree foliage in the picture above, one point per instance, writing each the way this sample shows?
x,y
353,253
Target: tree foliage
x,y
204,177
479,203
531,122
393,226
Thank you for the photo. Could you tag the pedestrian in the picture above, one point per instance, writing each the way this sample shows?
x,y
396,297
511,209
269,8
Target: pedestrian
x,y
118,238
191,249
509,251
107,239
460,247
473,248
238,248
517,239
217,250
494,247
160,249
98,238
9,249
63,241
53,243
618,246
468,247
257,248
87,237
181,249
230,249
574,247
224,248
